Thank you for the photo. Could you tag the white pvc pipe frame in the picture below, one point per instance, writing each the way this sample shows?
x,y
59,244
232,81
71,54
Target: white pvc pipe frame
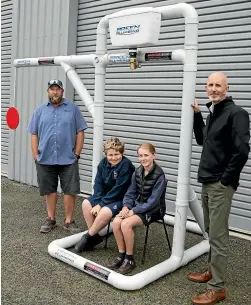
x,y
185,195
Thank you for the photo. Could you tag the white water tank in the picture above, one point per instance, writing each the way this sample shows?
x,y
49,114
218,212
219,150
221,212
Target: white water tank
x,y
135,27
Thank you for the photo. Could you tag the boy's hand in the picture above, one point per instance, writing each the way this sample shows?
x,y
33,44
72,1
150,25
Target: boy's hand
x,y
95,210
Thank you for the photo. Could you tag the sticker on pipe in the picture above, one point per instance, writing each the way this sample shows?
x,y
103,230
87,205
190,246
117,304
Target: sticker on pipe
x,y
119,58
23,63
46,61
158,56
66,255
96,270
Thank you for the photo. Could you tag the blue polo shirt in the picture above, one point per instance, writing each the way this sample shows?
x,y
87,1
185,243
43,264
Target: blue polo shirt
x,y
56,128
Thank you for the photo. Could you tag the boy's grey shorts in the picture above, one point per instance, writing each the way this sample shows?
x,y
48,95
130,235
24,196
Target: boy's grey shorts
x,y
47,178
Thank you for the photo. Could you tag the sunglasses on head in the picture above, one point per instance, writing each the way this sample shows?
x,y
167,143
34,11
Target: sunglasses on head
x,y
55,82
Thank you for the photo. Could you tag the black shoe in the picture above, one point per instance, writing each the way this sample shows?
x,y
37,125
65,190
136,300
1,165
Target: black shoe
x,y
96,239
116,263
87,243
127,266
84,244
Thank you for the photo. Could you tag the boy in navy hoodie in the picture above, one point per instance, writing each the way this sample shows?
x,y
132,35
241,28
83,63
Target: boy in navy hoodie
x,y
111,183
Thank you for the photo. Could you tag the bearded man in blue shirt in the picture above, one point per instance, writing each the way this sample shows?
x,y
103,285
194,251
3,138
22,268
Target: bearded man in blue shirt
x,y
57,137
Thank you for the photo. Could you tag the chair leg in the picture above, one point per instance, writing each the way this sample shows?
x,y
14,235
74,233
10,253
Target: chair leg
x,y
144,251
107,233
168,241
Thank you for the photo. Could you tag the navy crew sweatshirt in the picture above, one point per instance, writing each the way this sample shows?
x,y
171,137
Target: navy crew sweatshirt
x,y
112,182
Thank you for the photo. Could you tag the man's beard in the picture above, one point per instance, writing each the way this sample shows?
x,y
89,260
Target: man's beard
x,y
216,100
56,100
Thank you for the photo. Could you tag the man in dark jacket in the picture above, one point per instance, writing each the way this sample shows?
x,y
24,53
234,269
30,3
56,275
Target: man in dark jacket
x,y
225,139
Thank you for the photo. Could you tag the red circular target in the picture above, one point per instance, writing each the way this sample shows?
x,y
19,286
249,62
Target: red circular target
x,y
12,118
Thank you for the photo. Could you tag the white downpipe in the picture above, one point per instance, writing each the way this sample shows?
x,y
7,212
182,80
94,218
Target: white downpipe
x,y
196,209
74,60
145,277
189,80
177,10
102,31
99,98
113,58
169,220
25,62
79,86
98,128
195,251
178,55
190,225
137,281
70,60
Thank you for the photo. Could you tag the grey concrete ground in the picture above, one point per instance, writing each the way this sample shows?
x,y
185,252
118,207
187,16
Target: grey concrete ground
x,y
30,276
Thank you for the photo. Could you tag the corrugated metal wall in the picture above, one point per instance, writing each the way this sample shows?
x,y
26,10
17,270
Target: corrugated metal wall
x,y
6,30
144,105
43,28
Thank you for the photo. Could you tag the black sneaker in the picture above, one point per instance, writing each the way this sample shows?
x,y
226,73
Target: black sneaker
x,y
48,225
84,244
96,239
127,266
88,243
72,227
116,263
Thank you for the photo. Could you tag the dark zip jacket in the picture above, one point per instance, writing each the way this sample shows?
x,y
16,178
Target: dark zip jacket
x,y
225,140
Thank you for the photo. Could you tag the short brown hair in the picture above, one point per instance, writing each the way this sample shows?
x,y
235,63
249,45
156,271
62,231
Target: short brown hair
x,y
114,143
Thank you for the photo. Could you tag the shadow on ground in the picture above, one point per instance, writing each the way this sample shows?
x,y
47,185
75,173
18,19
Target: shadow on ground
x,y
30,276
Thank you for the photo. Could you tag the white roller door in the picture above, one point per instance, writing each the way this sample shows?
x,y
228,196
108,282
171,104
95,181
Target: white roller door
x,y
145,104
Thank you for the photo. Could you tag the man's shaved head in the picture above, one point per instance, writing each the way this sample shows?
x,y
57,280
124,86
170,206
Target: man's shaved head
x,y
217,87
218,75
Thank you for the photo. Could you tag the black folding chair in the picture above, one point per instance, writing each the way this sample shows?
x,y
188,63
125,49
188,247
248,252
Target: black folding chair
x,y
162,210
107,234
146,236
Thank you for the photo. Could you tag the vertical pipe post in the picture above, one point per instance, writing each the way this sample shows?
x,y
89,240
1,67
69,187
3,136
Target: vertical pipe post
x,y
185,149
99,95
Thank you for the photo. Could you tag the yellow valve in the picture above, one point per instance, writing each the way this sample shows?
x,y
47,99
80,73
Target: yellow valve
x,y
133,63
133,59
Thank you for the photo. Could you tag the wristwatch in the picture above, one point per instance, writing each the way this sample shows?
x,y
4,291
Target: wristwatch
x,y
77,156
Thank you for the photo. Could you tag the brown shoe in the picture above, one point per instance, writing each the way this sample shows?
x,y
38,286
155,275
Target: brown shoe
x,y
127,266
209,297
115,264
203,277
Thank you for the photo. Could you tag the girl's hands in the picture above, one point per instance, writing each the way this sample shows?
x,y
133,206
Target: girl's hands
x,y
124,212
130,213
